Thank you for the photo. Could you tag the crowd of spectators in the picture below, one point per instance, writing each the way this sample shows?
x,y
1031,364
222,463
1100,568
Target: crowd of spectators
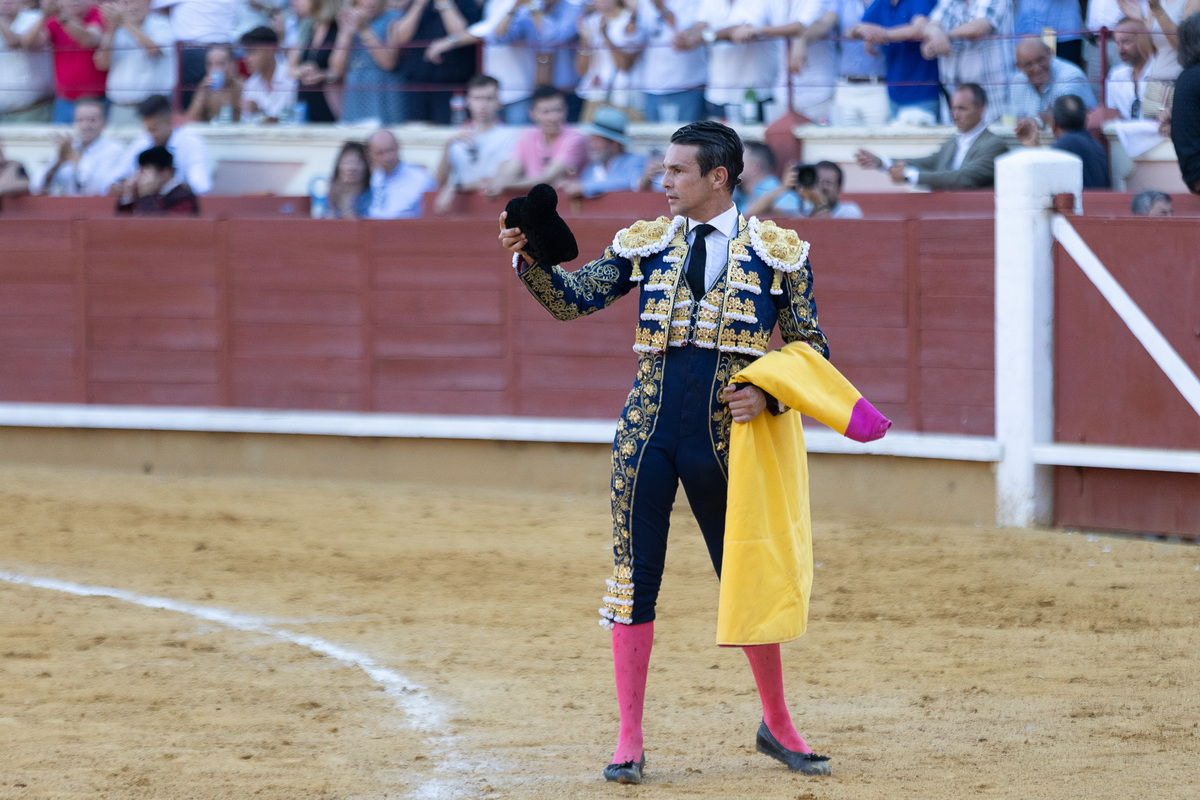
x,y
579,72
849,62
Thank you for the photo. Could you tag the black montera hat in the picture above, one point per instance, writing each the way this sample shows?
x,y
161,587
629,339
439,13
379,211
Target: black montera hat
x,y
550,240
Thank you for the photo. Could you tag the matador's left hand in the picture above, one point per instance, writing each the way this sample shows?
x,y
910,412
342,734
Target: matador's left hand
x,y
746,403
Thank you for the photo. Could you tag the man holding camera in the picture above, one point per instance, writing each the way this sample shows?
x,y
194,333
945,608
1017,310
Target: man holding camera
x,y
819,188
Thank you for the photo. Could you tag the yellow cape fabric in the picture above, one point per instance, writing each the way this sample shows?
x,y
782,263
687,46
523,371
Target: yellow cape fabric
x,y
767,570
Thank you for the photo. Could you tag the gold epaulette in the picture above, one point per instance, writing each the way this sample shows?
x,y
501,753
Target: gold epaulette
x,y
646,237
780,248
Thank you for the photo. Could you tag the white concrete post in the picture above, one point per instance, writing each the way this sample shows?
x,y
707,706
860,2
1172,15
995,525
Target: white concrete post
x,y
1026,182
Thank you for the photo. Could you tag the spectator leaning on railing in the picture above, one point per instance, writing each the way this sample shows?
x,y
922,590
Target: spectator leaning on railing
x,y
366,60
610,44
137,49
861,98
72,28
972,41
898,27
671,76
308,62
426,21
549,28
26,76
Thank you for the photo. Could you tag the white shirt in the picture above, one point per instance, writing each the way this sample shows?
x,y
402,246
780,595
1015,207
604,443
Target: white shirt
x,y
473,161
208,21
965,140
272,98
514,67
134,74
716,244
1120,90
25,76
603,82
735,68
90,176
189,152
814,84
662,69
400,194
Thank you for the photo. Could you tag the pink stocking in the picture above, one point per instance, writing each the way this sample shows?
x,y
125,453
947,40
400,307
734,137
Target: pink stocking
x,y
768,674
631,658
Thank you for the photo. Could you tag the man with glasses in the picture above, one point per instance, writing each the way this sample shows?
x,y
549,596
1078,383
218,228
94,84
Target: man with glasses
x,y
1126,83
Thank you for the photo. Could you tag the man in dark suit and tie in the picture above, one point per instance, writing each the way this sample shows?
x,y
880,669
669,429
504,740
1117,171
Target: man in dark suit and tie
x,y
966,161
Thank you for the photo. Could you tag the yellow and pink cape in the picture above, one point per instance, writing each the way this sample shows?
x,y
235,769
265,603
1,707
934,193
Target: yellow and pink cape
x,y
767,570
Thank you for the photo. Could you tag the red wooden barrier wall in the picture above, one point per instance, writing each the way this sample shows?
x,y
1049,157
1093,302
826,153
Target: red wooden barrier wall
x,y
1108,390
425,316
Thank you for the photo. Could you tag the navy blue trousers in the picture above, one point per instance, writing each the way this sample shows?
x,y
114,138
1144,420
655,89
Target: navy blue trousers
x,y
681,449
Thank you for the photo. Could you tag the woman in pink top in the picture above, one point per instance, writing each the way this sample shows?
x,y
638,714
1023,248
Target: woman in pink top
x,y
548,153
72,28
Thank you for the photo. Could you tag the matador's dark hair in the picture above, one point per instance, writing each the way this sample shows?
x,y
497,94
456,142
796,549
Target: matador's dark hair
x,y
718,146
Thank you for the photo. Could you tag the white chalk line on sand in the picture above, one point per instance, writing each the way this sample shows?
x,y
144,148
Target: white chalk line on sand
x,y
424,712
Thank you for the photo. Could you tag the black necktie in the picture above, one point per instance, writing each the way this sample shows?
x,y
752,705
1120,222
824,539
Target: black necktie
x,y
698,261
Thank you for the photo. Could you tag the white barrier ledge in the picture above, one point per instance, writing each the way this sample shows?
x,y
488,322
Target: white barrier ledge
x,y
430,426
1107,457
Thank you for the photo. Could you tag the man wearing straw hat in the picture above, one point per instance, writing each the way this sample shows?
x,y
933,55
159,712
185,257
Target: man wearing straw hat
x,y
610,168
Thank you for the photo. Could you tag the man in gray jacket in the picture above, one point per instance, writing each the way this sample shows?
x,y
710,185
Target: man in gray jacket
x,y
966,161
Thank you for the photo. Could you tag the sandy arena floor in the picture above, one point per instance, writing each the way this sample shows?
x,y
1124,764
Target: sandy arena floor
x,y
361,640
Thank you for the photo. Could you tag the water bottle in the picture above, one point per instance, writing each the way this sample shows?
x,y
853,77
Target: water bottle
x,y
458,109
750,107
216,80
225,117
300,113
318,196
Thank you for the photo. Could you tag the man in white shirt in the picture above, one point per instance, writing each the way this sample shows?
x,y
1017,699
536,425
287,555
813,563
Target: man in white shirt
x,y
138,50
26,80
672,76
397,189
269,94
474,153
85,161
1126,84
966,161
972,41
746,53
188,151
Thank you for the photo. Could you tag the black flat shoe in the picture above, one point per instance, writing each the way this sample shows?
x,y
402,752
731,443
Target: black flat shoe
x,y
805,763
629,772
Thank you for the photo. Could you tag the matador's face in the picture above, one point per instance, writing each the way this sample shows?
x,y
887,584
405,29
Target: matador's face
x,y
689,193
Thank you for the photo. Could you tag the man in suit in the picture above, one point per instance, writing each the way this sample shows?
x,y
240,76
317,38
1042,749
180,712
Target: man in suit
x,y
966,161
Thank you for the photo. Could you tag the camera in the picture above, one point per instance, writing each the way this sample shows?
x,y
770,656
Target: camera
x,y
806,176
